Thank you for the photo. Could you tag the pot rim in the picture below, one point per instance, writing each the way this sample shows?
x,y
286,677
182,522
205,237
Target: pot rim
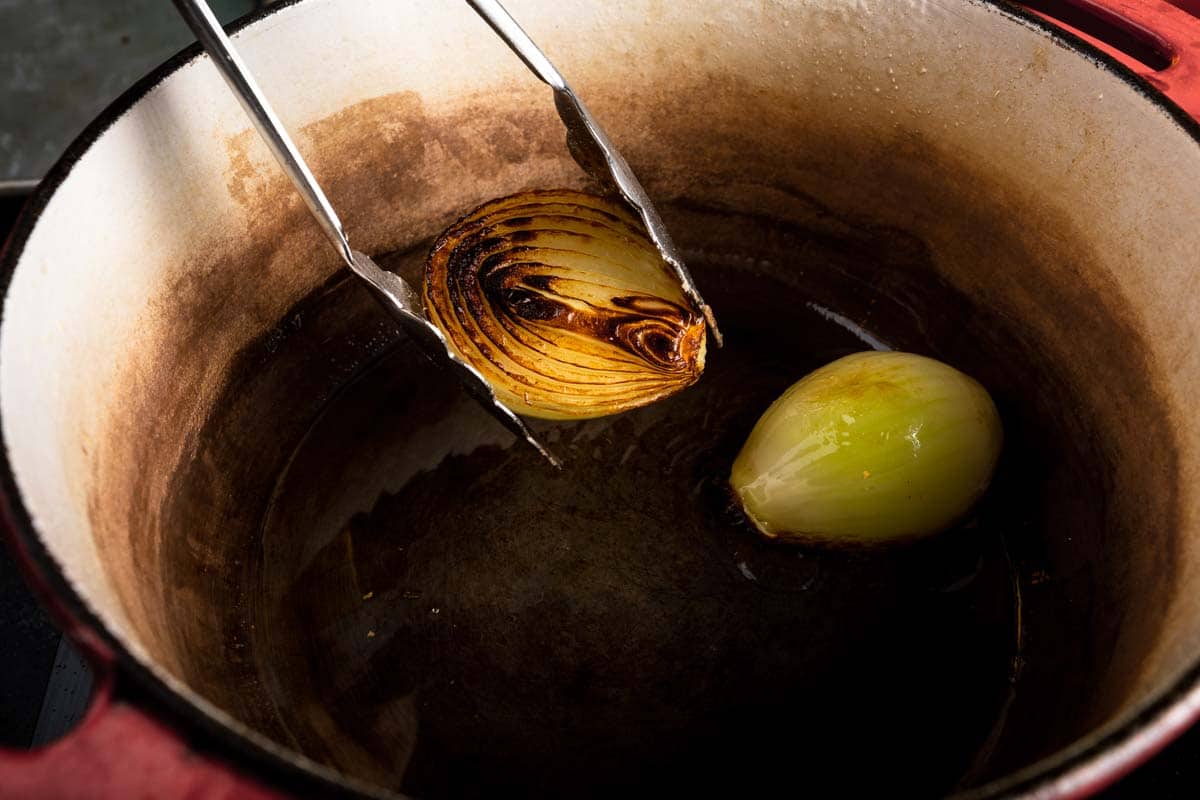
x,y
284,767
1082,768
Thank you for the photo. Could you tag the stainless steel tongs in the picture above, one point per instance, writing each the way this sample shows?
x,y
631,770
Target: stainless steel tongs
x,y
592,149
587,142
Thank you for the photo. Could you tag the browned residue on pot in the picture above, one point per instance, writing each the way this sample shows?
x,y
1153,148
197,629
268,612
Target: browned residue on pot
x,y
1039,62
377,161
399,171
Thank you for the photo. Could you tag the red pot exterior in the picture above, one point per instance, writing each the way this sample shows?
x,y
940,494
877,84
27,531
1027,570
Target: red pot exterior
x,y
118,750
1166,27
122,751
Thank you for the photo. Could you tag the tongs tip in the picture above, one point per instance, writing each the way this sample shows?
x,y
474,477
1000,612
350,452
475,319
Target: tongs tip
x,y
553,459
711,319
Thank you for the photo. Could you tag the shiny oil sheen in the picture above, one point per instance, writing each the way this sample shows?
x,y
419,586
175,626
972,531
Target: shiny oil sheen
x,y
448,616
891,175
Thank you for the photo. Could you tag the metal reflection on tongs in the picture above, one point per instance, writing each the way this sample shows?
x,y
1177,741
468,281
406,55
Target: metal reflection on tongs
x,y
390,289
593,150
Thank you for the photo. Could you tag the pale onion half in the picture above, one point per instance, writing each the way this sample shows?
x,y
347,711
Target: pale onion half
x,y
874,448
564,305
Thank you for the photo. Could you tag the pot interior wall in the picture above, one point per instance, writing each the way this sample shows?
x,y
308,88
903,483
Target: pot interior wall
x,y
287,510
419,601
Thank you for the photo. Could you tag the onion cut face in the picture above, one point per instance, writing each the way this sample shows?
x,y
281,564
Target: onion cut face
x,y
560,300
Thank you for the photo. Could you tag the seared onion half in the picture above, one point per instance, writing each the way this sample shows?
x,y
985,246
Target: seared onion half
x,y
562,302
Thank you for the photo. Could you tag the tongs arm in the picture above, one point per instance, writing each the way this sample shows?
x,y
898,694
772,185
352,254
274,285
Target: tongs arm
x,y
390,289
592,148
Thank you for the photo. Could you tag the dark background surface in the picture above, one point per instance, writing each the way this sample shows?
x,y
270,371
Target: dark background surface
x,y
30,642
61,62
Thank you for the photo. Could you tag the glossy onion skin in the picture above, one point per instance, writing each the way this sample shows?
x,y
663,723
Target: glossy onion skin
x,y
873,448
564,305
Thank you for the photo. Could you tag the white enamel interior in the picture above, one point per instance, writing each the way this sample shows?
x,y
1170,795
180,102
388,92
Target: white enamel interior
x,y
154,187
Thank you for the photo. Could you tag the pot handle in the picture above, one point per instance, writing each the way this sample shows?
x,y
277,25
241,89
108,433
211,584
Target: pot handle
x,y
1163,26
118,750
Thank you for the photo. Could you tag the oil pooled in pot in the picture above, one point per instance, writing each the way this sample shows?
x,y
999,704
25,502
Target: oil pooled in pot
x,y
450,616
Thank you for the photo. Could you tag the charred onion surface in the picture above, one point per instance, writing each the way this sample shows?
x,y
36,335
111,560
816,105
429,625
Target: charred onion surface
x,y
562,302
